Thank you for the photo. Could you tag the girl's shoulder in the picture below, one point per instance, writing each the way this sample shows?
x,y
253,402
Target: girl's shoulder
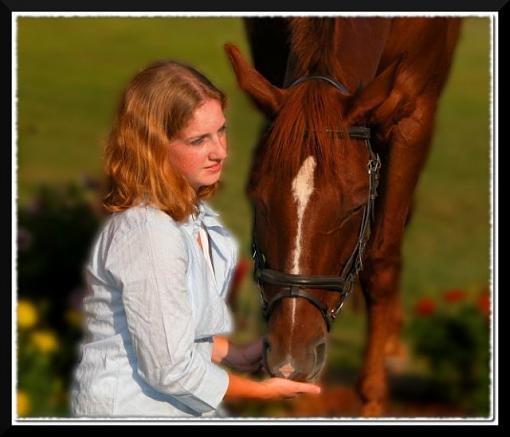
x,y
139,220
140,216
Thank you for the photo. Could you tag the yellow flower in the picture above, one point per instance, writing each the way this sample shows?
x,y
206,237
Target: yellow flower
x,y
23,403
45,341
27,314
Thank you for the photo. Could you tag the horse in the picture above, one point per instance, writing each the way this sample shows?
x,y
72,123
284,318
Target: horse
x,y
350,120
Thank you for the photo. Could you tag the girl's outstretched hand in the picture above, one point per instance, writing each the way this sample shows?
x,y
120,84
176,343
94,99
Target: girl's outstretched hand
x,y
280,388
240,387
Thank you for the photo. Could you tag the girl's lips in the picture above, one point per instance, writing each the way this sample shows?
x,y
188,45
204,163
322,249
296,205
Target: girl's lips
x,y
214,168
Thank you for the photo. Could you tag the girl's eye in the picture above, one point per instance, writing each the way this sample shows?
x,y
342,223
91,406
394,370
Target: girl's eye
x,y
223,130
198,141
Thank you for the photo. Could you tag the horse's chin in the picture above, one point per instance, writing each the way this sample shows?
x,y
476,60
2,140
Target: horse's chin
x,y
311,377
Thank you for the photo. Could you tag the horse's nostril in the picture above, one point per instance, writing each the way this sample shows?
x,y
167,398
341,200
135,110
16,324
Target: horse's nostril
x,y
320,353
320,360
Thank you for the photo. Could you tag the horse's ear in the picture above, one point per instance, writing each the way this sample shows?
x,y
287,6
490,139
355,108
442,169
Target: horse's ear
x,y
267,98
375,92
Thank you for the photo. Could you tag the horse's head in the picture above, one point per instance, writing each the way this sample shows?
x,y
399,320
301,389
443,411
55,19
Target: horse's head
x,y
312,186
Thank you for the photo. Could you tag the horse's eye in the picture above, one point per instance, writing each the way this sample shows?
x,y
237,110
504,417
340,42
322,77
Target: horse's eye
x,y
351,213
262,208
345,219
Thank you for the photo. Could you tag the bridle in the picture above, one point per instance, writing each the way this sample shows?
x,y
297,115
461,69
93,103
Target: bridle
x,y
294,286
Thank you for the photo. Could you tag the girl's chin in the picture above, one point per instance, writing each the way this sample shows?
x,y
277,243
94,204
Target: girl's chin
x,y
206,182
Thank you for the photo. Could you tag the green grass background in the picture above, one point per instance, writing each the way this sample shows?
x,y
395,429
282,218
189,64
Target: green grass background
x,y
70,75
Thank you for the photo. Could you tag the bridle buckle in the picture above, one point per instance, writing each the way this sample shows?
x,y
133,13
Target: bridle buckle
x,y
374,165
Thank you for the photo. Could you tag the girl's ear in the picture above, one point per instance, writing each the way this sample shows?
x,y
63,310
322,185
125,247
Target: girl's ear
x,y
268,98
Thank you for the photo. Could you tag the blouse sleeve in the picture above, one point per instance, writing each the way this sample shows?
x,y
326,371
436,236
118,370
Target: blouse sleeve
x,y
150,267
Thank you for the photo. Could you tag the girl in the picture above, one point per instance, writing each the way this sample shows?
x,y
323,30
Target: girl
x,y
161,265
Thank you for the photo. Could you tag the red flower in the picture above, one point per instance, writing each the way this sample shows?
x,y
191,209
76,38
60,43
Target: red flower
x,y
454,295
483,303
242,267
425,306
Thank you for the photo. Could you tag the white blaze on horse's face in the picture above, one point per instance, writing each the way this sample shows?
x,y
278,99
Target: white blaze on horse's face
x,y
302,189
287,369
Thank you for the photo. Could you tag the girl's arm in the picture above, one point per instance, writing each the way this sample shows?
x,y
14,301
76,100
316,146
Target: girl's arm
x,y
244,358
248,357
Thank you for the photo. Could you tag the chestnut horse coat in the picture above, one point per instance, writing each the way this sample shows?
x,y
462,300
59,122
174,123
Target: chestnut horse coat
x,y
394,70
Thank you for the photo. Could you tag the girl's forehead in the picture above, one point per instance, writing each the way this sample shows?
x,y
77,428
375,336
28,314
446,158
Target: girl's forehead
x,y
208,116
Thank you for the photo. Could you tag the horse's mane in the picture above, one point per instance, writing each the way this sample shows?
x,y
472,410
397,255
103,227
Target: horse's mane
x,y
312,108
309,123
314,44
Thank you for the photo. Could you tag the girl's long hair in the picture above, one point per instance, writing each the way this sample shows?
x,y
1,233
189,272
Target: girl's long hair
x,y
156,105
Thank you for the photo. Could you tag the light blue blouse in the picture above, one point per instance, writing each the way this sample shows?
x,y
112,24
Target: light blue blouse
x,y
151,310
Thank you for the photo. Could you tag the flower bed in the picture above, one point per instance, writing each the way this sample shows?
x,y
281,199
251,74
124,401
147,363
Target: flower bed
x,y
452,335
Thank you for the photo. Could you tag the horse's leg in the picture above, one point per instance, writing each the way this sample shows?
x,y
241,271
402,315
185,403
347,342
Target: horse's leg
x,y
393,347
380,287
380,277
395,350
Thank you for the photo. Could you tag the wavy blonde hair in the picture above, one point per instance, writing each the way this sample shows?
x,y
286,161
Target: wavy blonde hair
x,y
155,106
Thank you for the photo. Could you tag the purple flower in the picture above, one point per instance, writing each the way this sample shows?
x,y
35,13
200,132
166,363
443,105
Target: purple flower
x,y
24,239
90,182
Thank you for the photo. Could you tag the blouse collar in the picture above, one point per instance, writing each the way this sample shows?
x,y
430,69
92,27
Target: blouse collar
x,y
205,216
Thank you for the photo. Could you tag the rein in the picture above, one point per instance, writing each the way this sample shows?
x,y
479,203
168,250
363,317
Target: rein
x,y
294,286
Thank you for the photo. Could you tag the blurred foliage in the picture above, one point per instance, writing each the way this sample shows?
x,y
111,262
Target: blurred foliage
x,y
452,335
54,235
44,360
55,231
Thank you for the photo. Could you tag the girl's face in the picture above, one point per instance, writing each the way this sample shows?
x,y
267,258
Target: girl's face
x,y
199,150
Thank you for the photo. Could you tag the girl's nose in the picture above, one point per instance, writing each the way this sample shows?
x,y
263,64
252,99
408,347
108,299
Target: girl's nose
x,y
219,149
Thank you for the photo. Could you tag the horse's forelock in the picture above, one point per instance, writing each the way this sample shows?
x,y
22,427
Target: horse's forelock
x,y
304,128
